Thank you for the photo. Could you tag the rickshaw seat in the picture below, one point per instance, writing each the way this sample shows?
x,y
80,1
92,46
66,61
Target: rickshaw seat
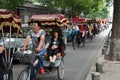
x,y
46,63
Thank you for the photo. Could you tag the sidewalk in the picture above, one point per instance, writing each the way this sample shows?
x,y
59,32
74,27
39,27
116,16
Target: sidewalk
x,y
110,69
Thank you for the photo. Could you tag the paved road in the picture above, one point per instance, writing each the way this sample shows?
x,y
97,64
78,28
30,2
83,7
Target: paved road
x,y
77,62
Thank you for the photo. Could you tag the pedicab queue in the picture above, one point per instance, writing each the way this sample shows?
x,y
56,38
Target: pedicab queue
x,y
83,29
46,50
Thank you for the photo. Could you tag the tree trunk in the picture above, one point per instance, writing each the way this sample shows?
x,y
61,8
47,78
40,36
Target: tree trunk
x,y
115,39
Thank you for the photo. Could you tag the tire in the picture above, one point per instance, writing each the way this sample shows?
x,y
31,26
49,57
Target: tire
x,y
83,42
91,38
60,71
74,43
24,75
10,75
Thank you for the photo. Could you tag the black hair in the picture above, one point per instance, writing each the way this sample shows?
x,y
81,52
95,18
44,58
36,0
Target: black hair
x,y
59,32
38,22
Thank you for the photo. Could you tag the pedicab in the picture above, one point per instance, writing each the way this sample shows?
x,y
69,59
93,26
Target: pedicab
x,y
52,21
96,27
10,29
77,37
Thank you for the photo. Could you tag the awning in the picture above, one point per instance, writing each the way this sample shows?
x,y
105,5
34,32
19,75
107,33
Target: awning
x,y
51,20
7,20
78,20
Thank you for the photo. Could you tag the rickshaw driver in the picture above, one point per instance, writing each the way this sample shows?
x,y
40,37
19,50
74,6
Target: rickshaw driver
x,y
38,39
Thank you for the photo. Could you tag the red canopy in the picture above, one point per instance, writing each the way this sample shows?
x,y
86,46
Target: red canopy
x,y
51,19
78,20
7,20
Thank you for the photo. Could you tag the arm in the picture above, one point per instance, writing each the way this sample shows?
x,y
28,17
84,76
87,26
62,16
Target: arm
x,y
47,41
27,39
47,45
1,49
42,38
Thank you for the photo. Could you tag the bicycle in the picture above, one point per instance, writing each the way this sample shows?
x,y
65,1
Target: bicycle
x,y
28,60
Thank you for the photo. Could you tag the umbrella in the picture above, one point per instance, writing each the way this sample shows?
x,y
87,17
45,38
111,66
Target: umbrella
x,y
7,20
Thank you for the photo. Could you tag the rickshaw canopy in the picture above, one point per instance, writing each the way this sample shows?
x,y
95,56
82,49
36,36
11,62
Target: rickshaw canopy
x,y
78,20
51,20
7,20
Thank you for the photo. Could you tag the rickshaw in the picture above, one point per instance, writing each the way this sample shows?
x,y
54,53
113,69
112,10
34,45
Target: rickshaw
x,y
77,39
94,29
10,29
52,21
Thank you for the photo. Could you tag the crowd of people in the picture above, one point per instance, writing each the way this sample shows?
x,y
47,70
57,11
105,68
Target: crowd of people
x,y
85,30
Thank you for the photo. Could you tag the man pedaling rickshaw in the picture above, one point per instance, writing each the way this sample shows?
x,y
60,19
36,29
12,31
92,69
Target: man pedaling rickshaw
x,y
82,33
38,39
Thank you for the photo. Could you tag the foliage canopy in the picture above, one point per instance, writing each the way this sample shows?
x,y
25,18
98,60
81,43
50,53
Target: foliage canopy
x,y
91,8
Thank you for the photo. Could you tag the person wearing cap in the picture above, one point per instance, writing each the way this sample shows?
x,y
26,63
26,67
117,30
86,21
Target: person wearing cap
x,y
55,47
37,35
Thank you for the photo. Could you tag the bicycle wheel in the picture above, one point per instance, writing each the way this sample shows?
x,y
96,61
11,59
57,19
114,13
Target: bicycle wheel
x,y
10,75
24,75
60,71
74,42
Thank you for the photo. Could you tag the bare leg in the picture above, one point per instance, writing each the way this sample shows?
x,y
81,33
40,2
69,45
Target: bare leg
x,y
54,58
1,49
36,62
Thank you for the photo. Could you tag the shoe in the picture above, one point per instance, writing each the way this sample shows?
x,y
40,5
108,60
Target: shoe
x,y
42,71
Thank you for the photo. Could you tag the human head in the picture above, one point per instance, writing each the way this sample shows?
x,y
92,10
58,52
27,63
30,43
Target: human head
x,y
36,25
55,33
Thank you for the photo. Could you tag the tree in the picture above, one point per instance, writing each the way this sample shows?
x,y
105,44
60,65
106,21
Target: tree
x,y
115,39
91,8
11,4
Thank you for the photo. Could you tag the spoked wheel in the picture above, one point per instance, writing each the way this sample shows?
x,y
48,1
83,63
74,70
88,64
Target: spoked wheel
x,y
60,71
74,42
10,74
24,75
91,38
83,42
